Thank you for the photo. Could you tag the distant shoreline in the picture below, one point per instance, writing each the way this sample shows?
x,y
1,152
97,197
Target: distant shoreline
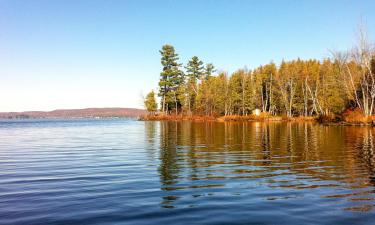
x,y
76,113
67,118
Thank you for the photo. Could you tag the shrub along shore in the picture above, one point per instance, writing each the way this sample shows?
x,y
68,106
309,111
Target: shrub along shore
x,y
351,117
233,118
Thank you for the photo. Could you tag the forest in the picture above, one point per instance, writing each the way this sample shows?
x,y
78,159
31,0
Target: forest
x,y
295,88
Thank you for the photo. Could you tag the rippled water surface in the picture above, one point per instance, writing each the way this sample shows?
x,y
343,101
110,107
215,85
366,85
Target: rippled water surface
x,y
132,172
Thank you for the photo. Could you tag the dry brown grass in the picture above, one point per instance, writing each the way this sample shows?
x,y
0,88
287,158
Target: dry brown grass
x,y
350,116
162,117
262,117
303,119
180,117
355,116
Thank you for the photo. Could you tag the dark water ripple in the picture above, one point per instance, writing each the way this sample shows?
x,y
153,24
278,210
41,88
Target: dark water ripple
x,y
131,172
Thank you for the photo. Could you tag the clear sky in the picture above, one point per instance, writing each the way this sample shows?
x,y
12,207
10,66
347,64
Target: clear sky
x,y
77,54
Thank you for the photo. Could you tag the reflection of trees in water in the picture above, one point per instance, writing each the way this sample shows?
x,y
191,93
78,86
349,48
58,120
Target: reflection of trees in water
x,y
266,143
169,168
193,152
150,136
362,140
189,141
368,153
289,139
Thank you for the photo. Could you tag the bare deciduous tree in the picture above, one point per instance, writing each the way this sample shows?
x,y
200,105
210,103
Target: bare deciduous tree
x,y
355,71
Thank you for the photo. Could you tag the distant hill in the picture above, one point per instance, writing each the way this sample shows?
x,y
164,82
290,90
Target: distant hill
x,y
76,113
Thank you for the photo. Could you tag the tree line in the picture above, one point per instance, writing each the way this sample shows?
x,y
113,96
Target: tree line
x,y
293,88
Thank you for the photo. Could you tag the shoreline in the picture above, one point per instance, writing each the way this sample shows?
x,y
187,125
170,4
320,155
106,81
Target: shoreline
x,y
232,118
252,118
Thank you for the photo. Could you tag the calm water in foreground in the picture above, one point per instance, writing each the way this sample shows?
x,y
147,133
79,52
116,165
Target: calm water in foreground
x,y
132,172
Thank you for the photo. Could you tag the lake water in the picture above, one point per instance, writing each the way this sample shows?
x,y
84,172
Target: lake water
x,y
132,172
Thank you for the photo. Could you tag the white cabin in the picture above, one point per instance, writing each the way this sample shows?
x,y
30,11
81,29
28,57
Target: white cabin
x,y
256,112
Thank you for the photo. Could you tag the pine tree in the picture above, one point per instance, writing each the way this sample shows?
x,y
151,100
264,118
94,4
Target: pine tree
x,y
171,78
209,70
194,72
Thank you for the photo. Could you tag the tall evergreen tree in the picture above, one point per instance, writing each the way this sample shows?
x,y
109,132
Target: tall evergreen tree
x,y
171,79
209,70
194,72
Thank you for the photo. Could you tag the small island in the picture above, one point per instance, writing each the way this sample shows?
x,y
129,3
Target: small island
x,y
338,89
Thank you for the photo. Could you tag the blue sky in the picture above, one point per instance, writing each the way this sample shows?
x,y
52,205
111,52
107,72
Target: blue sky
x,y
77,54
